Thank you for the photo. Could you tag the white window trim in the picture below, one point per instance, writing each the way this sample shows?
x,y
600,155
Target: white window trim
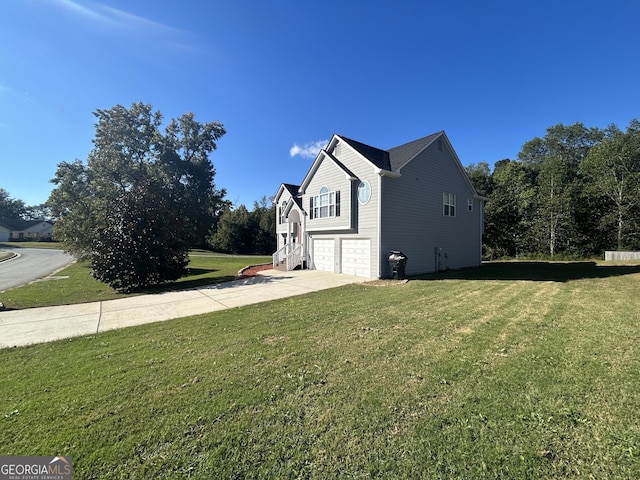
x,y
448,204
324,204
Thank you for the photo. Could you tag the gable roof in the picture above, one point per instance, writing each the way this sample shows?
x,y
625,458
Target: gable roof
x,y
18,224
378,157
388,161
321,156
288,187
400,156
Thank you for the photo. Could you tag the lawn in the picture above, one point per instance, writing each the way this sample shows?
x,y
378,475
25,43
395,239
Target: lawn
x,y
75,284
515,370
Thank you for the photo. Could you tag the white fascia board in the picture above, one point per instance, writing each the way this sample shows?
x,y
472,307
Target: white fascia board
x,y
280,191
387,173
316,164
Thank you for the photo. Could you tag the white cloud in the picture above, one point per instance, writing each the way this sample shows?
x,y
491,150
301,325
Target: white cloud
x,y
110,16
308,150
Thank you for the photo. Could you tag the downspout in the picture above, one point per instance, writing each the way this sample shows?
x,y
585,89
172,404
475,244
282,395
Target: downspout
x,y
379,262
305,240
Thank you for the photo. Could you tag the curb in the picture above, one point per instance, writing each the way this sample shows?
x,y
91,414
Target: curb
x,y
13,255
244,269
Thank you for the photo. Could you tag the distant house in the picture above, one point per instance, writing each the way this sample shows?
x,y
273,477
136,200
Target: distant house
x,y
358,202
12,229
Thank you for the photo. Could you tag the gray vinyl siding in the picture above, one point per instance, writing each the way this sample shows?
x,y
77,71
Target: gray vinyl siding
x,y
334,178
413,220
356,221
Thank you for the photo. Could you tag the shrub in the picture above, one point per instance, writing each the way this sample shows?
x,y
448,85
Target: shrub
x,y
139,246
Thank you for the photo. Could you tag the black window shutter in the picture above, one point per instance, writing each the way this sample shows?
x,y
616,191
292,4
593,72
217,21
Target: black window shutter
x,y
311,208
279,215
337,203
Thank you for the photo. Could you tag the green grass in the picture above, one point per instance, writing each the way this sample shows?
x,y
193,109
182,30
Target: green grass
x,y
509,371
5,255
54,245
75,284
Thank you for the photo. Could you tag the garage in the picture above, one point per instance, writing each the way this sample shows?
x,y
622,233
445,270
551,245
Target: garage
x,y
356,257
323,254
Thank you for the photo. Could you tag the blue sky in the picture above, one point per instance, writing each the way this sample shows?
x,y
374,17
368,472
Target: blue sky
x,y
284,75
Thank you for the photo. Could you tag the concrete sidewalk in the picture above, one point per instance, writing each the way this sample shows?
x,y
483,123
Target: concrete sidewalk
x,y
37,325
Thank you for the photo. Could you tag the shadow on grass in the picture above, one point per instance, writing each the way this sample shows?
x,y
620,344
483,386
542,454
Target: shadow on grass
x,y
536,271
216,282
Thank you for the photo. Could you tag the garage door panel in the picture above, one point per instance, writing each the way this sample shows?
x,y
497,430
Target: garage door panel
x,y
356,257
323,254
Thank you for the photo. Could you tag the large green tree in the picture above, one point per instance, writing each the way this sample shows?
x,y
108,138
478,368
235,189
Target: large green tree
x,y
185,163
508,210
131,151
130,147
555,158
613,171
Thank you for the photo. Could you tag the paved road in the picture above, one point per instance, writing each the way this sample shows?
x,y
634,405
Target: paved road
x,y
30,264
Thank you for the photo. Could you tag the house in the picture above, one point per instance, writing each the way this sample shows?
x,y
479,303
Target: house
x,y
357,203
15,229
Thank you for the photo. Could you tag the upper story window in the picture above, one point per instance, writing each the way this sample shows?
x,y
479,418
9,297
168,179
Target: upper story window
x,y
325,205
364,192
449,204
281,215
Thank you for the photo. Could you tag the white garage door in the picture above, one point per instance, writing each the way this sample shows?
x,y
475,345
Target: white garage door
x,y
323,254
356,257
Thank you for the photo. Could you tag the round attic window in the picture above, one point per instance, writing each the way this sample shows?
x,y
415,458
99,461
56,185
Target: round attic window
x,y
364,192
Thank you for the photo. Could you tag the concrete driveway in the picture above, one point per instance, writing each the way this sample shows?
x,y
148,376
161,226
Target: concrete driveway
x,y
36,325
30,264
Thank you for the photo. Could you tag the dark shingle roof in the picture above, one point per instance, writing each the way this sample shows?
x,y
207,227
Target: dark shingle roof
x,y
393,158
293,190
378,157
17,224
399,156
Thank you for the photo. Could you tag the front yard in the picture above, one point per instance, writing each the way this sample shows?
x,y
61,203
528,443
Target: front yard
x,y
75,284
509,371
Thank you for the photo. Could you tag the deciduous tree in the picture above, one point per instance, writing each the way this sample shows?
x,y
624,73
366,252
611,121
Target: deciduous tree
x,y
133,156
613,168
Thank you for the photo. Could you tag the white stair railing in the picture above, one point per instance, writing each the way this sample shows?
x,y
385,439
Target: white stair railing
x,y
280,256
292,258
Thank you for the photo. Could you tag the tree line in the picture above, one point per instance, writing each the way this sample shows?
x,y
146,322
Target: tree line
x,y
574,192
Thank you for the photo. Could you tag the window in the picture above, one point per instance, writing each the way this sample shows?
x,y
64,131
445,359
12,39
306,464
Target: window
x,y
470,204
364,192
449,203
325,205
281,216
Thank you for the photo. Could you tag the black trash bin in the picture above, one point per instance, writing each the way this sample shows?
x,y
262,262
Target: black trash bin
x,y
397,264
